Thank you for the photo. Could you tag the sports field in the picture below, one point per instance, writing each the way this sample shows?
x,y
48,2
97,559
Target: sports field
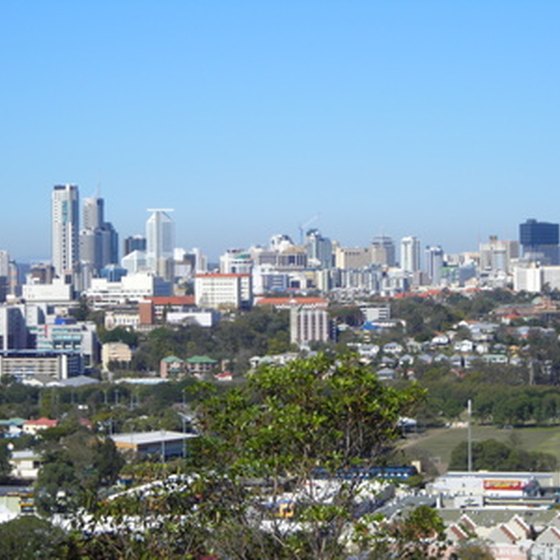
x,y
439,443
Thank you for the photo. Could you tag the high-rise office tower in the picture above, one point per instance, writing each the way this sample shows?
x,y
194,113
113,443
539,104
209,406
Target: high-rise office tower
x,y
4,275
410,254
496,255
65,212
434,264
383,250
134,243
99,241
109,241
93,212
319,249
160,241
540,241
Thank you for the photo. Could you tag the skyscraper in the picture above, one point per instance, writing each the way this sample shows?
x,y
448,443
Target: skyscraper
x,y
160,241
383,250
410,254
134,243
496,255
540,241
93,212
65,213
319,249
434,264
99,241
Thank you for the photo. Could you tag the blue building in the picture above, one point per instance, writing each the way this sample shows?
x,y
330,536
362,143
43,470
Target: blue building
x,y
539,241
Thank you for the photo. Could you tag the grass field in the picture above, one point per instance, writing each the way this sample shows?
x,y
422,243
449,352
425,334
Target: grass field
x,y
439,443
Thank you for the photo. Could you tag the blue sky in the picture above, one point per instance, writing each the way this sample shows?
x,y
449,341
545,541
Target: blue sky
x,y
434,118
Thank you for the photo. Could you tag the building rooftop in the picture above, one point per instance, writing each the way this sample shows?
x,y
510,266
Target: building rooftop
x,y
144,438
78,381
25,454
42,422
12,422
201,360
288,301
172,360
221,275
172,300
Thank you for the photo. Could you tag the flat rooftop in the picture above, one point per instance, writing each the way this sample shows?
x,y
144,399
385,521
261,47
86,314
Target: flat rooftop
x,y
145,438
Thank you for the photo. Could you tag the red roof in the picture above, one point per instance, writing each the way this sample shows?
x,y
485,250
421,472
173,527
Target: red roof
x,y
42,422
86,423
172,300
287,301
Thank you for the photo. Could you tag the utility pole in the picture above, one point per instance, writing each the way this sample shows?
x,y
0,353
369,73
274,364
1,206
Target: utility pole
x,y
469,436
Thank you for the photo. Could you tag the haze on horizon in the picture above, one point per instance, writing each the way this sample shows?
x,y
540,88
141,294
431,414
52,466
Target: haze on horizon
x,y
432,118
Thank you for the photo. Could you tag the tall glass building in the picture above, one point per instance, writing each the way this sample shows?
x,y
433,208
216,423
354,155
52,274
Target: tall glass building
x,y
65,213
539,241
160,240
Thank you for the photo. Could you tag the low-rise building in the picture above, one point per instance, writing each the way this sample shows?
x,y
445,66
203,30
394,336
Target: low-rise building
x,y
223,291
115,352
131,289
127,317
200,365
33,427
25,464
171,366
57,293
27,364
160,444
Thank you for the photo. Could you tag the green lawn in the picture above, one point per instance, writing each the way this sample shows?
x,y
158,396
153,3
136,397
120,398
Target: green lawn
x,y
438,444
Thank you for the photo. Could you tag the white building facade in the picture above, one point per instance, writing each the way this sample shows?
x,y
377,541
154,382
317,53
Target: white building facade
x,y
65,229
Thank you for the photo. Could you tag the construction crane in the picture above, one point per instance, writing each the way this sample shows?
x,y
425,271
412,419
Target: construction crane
x,y
305,225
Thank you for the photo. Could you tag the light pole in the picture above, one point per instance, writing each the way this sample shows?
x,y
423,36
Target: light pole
x,y
469,436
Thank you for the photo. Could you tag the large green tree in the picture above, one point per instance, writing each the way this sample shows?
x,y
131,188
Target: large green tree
x,y
257,461
32,538
76,464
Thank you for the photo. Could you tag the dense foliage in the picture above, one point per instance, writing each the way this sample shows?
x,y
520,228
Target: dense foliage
x,y
259,440
257,332
32,538
76,465
496,456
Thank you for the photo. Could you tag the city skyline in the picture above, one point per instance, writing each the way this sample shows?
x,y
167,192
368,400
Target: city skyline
x,y
384,118
158,241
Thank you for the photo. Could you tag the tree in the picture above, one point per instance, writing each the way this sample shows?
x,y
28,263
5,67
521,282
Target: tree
x,y
5,467
31,538
75,466
494,455
277,432
418,535
473,551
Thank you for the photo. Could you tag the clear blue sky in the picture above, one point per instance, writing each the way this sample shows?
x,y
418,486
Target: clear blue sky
x,y
440,119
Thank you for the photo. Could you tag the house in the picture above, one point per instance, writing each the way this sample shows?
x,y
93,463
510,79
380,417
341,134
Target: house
x,y
393,348
406,360
546,545
440,340
386,374
25,464
33,427
224,376
171,366
495,359
200,365
464,346
12,427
